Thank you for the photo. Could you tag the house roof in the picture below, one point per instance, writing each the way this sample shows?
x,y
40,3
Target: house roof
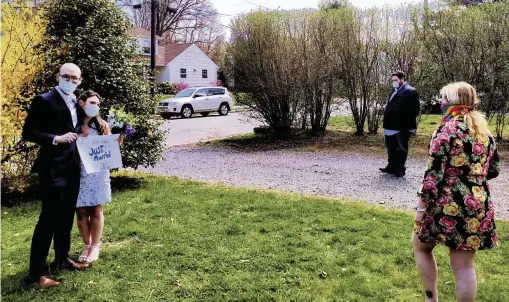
x,y
140,32
174,50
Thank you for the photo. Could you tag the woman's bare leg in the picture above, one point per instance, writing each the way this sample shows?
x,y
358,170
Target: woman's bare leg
x,y
83,225
462,263
96,224
427,266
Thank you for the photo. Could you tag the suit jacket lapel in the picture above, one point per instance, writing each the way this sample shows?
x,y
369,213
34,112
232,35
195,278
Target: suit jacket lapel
x,y
62,105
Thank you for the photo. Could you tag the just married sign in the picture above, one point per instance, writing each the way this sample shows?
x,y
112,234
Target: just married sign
x,y
100,153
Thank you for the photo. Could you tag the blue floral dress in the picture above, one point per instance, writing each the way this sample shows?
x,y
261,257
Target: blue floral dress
x,y
459,210
95,188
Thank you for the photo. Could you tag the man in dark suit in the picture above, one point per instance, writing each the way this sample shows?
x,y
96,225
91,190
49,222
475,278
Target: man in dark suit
x,y
400,122
52,123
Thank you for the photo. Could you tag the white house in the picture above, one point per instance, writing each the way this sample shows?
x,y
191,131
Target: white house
x,y
176,63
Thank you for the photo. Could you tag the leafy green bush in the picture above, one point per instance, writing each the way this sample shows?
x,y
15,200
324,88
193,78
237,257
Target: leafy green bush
x,y
167,88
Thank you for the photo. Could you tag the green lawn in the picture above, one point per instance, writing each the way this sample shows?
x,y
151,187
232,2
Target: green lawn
x,y
170,240
428,123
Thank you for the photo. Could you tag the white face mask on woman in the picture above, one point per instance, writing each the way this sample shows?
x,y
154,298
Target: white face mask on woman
x,y
92,110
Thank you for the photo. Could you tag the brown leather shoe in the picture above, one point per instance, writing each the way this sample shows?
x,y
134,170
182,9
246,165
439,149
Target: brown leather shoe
x,y
68,264
47,282
71,265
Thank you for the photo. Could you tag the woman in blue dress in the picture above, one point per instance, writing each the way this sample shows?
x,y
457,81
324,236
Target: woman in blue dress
x,y
95,189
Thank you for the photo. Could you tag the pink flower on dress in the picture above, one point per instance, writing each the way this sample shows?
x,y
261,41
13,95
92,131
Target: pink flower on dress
x,y
448,223
429,182
443,200
435,146
490,214
443,138
471,202
452,181
450,129
455,152
478,148
486,169
485,225
463,135
454,172
494,240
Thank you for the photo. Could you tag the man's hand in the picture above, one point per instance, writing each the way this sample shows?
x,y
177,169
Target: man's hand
x,y
66,138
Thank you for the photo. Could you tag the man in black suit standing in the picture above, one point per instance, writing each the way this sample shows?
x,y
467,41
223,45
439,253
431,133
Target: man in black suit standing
x,y
52,123
400,122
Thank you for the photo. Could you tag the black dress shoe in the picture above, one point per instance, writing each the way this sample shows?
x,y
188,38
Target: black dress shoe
x,y
399,173
387,170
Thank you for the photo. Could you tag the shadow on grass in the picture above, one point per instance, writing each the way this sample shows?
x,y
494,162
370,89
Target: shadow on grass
x,y
120,183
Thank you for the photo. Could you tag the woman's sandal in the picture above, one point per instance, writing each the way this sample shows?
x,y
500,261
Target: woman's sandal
x,y
93,255
84,254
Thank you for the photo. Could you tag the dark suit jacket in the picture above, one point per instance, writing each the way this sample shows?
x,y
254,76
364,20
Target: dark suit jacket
x,y
48,117
402,110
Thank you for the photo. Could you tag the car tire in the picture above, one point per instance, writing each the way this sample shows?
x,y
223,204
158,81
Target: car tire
x,y
204,114
186,111
224,109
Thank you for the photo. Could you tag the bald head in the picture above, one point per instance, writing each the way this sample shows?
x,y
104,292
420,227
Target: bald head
x,y
70,68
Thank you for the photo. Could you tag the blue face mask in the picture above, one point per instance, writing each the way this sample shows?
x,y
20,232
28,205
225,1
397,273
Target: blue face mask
x,y
67,87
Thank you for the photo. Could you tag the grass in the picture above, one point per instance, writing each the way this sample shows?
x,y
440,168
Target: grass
x,y
340,137
167,239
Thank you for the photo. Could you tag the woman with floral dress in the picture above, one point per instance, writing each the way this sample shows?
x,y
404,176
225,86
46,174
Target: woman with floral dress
x,y
455,207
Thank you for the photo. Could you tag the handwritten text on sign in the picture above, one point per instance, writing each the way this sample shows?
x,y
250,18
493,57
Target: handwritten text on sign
x,y
100,153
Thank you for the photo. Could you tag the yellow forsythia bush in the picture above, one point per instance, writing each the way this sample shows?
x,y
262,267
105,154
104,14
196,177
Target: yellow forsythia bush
x,y
22,30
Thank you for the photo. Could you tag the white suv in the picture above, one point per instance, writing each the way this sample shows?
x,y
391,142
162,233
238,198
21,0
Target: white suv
x,y
203,100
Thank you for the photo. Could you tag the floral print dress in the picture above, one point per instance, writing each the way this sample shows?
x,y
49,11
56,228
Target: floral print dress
x,y
459,210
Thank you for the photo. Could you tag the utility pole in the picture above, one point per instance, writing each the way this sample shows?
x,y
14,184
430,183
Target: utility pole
x,y
153,45
153,40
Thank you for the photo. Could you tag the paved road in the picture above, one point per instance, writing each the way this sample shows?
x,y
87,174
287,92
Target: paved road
x,y
199,129
338,175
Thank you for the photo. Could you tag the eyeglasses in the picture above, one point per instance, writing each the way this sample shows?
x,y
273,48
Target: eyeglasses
x,y
69,78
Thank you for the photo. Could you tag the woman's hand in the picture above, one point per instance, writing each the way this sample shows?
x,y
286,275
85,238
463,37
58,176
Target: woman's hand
x,y
120,139
419,216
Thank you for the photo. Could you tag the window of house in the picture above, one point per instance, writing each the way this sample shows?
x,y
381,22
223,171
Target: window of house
x,y
145,47
204,74
183,73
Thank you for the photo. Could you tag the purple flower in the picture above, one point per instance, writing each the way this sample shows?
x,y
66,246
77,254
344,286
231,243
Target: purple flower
x,y
129,131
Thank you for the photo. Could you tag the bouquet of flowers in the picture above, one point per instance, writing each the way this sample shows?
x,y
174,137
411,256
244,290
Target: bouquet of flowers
x,y
121,122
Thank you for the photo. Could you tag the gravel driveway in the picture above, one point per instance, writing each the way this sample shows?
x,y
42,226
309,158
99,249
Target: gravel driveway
x,y
337,175
199,129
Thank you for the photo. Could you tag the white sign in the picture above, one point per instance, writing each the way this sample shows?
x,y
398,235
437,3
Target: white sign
x,y
100,153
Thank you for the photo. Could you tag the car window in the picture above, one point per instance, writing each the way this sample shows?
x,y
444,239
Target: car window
x,y
185,93
203,91
216,91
